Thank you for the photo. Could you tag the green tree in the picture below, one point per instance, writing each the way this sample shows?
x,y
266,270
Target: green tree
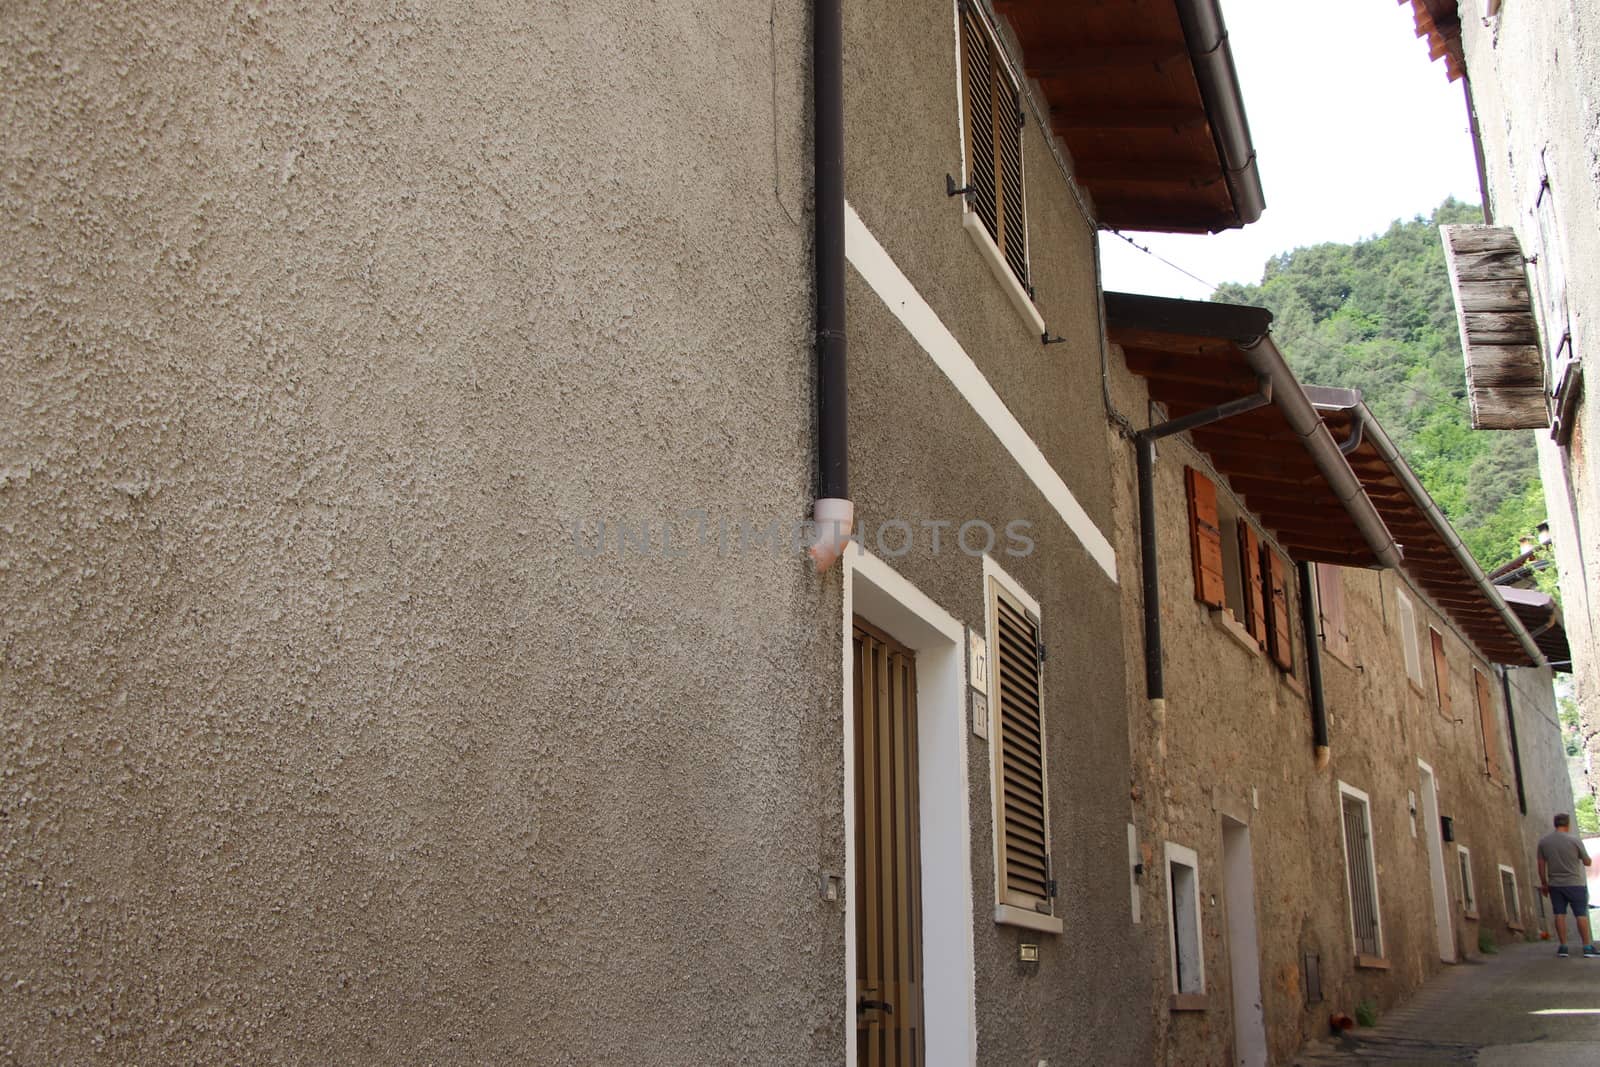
x,y
1378,316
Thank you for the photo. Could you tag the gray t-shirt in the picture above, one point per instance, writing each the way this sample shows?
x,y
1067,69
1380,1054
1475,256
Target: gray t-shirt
x,y
1562,854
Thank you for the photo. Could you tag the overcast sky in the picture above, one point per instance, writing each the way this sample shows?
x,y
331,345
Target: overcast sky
x,y
1353,125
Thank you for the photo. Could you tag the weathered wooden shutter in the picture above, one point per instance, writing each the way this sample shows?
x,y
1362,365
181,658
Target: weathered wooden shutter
x,y
1255,597
1280,630
1441,671
1024,821
1488,722
1205,539
1499,338
1330,605
1358,865
994,119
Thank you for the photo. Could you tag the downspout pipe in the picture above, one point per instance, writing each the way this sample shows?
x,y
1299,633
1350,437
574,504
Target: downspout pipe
x,y
1319,706
833,513
1350,402
1516,751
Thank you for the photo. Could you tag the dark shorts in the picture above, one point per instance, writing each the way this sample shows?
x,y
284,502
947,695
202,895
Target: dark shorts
x,y
1574,896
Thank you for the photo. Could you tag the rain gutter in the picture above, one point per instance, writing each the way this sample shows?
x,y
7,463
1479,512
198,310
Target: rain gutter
x,y
1212,59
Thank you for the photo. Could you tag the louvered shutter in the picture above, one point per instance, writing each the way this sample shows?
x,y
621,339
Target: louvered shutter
x,y
1330,605
1363,887
993,113
1255,601
1441,671
1023,820
1205,539
978,77
1490,724
1280,639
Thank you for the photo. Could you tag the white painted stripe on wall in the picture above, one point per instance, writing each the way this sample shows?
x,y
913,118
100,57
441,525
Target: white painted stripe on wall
x,y
870,260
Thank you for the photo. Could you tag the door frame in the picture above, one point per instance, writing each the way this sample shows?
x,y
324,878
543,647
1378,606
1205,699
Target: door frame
x,y
877,593
1244,945
1443,915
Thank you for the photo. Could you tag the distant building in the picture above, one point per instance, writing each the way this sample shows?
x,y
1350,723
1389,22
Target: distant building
x,y
1528,283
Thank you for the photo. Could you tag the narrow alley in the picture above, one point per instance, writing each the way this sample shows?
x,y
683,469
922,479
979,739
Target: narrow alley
x,y
1523,1006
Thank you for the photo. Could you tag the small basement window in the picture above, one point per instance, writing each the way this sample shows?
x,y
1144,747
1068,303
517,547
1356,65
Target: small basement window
x,y
1510,898
1183,891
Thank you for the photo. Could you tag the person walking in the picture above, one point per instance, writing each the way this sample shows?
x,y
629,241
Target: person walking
x,y
1562,859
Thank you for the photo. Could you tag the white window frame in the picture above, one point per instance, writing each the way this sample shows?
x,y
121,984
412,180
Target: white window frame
x,y
1410,646
1513,907
1004,913
1347,790
1469,889
1196,948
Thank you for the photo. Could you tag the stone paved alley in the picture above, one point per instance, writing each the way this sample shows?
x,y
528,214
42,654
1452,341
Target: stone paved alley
x,y
1487,1013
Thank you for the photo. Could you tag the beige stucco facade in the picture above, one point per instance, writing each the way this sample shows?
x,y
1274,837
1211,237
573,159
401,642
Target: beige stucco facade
x,y
323,740
1532,75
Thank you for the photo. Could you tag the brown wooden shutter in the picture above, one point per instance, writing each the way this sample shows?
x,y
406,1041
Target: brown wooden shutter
x,y
1441,671
1205,539
1255,600
1489,724
1330,605
1280,631
993,113
1024,822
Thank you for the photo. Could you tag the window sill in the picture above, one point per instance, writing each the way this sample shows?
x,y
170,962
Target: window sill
x,y
1470,913
1293,684
1347,659
1514,926
1223,620
1002,271
1189,1002
1416,686
1009,915
1371,963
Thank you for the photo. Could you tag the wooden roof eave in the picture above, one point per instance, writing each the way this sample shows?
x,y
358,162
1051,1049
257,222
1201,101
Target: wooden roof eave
x,y
1146,99
1435,556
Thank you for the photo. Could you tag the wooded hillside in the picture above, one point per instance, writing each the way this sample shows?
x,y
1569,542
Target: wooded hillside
x,y
1377,316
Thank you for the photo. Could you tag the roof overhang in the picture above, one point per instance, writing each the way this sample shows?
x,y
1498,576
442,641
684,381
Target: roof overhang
x,y
1439,23
1541,615
1434,554
1144,95
1278,457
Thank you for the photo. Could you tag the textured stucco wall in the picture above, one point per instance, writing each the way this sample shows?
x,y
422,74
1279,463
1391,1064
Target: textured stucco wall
x,y
321,743
919,452
1535,75
1235,740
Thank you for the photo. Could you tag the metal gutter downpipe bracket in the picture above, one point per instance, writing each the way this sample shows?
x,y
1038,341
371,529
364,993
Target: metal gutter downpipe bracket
x,y
1268,362
1144,444
833,513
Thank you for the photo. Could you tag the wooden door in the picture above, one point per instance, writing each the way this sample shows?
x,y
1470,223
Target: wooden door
x,y
888,857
